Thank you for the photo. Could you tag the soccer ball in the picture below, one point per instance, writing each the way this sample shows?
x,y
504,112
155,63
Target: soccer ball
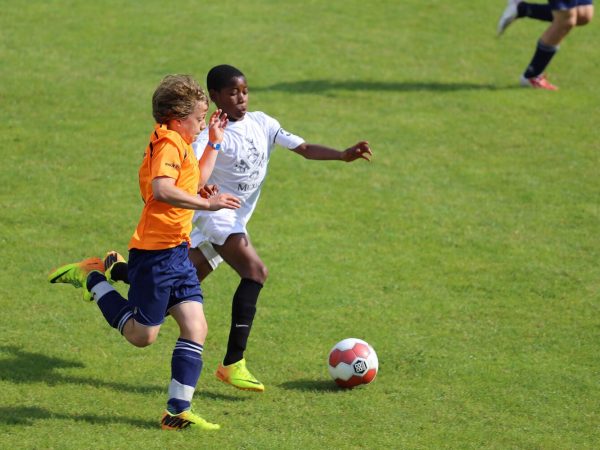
x,y
352,362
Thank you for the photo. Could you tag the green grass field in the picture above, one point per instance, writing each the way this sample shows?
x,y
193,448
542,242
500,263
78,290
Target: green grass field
x,y
467,253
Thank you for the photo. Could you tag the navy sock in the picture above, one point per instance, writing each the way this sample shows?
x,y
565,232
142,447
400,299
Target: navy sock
x,y
541,58
535,11
186,365
119,272
243,310
114,307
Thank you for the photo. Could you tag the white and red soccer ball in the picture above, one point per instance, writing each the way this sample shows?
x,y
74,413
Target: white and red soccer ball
x,y
352,362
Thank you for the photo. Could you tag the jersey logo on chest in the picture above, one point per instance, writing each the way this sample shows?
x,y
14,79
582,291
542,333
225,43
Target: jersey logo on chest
x,y
250,157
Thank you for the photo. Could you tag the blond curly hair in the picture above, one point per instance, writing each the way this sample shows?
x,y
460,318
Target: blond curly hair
x,y
176,97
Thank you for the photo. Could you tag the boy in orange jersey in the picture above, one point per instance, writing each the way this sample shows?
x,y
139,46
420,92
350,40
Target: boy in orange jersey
x,y
162,278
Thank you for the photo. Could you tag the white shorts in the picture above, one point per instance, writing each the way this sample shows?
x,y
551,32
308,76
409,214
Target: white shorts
x,y
214,227
209,252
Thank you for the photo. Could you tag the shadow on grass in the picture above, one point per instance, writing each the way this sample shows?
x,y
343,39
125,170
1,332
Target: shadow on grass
x,y
201,393
28,416
312,385
26,367
325,86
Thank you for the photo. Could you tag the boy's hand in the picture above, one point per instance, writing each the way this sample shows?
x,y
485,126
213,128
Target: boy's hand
x,y
359,150
216,126
209,190
220,201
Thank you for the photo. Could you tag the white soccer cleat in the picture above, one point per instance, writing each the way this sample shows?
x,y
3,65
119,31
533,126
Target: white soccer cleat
x,y
508,16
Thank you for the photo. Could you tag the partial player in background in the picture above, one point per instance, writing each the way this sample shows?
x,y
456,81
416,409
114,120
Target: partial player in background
x,y
161,277
564,15
240,169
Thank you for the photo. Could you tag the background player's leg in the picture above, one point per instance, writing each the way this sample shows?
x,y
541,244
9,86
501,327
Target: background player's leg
x,y
517,9
547,47
561,25
539,11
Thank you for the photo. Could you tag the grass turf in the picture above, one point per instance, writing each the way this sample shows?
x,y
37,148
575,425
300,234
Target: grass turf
x,y
466,253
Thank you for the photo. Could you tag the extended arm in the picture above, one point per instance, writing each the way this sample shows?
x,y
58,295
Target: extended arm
x,y
164,190
360,150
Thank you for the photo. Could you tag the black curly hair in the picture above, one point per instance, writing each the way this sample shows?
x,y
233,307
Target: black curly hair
x,y
220,77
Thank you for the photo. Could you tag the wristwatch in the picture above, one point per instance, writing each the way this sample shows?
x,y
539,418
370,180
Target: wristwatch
x,y
217,147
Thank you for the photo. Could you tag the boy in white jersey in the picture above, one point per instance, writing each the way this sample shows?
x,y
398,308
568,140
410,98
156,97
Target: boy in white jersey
x,y
240,169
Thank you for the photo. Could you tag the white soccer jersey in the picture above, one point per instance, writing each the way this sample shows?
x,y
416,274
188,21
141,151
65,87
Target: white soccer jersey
x,y
240,169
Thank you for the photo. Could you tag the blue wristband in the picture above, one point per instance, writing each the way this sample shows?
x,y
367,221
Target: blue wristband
x,y
217,147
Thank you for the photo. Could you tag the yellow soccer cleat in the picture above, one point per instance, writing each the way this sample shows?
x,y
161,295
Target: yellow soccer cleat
x,y
186,419
76,274
239,376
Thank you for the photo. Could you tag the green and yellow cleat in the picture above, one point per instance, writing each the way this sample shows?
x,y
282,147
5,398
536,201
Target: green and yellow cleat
x,y
76,274
239,376
186,419
111,259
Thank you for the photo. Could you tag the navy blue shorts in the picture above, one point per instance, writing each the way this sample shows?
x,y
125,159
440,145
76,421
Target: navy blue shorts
x,y
159,280
568,4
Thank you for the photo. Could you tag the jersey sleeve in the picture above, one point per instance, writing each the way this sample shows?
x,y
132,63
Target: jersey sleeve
x,y
166,161
287,140
279,136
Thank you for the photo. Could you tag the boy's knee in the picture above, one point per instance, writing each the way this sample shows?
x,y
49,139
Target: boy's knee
x,y
585,17
566,20
265,274
142,341
261,274
196,331
256,272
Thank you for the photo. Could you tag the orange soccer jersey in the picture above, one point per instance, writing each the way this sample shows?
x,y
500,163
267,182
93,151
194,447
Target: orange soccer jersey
x,y
161,225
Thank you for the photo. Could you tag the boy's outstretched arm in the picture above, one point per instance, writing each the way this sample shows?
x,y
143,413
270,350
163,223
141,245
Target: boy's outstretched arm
x,y
164,190
360,150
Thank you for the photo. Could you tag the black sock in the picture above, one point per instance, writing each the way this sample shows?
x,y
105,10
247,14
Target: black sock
x,y
535,11
243,309
541,58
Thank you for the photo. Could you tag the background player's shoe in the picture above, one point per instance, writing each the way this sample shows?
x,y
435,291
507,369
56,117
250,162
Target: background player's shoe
x,y
508,16
110,260
76,274
239,376
539,82
186,419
